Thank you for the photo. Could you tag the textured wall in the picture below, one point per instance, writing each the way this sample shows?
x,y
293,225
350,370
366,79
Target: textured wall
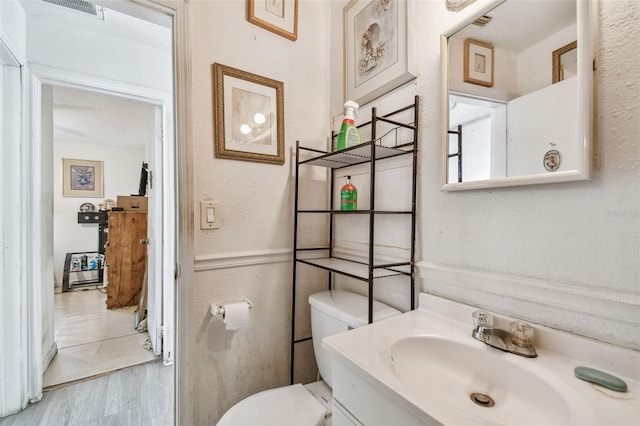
x,y
583,234
251,252
581,237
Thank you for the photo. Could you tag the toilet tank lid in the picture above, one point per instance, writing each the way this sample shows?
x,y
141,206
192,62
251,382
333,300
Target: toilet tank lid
x,y
350,308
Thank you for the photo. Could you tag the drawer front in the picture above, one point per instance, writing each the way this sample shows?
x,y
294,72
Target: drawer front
x,y
92,217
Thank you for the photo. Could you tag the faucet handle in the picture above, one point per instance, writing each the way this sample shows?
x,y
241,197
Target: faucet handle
x,y
521,333
482,319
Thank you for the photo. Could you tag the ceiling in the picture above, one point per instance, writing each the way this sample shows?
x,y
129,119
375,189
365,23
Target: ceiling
x,y
82,116
519,24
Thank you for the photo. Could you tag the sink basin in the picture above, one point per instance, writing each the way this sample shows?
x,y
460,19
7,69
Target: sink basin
x,y
423,366
461,376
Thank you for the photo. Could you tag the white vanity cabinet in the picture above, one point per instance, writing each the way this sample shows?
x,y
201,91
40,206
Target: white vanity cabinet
x,y
341,416
359,400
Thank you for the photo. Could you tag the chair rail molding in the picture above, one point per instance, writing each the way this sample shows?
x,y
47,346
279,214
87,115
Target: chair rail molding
x,y
208,262
597,313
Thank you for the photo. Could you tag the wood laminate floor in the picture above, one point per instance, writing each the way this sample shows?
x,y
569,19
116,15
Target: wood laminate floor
x,y
136,396
92,339
111,379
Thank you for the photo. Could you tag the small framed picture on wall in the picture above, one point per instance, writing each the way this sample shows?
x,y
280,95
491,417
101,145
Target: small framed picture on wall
x,y
478,63
81,178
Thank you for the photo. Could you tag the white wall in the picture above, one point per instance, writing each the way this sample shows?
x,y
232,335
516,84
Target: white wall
x,y
466,230
13,24
516,73
256,201
120,48
574,238
121,172
46,224
565,255
505,80
11,314
535,63
530,138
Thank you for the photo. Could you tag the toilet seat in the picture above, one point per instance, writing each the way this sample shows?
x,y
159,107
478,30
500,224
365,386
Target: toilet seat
x,y
288,405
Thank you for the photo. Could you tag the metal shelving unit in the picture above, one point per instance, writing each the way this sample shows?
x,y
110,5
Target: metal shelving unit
x,y
458,153
376,149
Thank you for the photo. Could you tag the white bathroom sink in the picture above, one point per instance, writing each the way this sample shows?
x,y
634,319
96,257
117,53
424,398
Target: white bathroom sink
x,y
456,374
423,366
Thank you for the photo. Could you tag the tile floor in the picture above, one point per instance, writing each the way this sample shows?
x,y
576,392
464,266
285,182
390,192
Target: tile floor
x,y
92,339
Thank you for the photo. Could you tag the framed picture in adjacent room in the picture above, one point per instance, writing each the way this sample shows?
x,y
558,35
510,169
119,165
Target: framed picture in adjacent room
x,y
378,47
81,178
248,116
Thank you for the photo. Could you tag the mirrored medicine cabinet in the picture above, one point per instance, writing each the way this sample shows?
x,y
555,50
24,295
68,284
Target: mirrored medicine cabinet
x,y
518,95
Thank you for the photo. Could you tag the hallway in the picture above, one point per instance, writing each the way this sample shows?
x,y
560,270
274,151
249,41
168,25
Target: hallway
x,y
92,339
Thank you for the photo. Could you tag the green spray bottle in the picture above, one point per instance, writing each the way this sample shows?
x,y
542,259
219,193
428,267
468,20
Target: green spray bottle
x,y
349,134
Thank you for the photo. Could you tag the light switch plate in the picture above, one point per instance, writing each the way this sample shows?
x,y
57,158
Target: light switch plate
x,y
205,222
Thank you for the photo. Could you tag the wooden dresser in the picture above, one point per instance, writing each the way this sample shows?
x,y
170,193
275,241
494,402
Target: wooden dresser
x,y
126,257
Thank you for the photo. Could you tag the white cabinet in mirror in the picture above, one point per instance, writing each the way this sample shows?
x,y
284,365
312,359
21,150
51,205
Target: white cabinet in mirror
x,y
510,115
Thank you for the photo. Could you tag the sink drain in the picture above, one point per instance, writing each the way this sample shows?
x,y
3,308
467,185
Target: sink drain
x,y
482,399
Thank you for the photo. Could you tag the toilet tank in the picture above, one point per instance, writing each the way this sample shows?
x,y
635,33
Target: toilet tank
x,y
335,311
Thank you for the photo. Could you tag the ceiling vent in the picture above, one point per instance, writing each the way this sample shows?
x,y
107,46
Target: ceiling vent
x,y
81,6
482,21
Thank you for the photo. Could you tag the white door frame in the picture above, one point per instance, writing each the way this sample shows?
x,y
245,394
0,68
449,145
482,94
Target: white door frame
x,y
12,297
29,387
184,206
38,75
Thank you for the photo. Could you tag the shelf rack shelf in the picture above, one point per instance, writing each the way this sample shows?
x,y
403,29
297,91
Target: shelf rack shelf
x,y
372,151
68,284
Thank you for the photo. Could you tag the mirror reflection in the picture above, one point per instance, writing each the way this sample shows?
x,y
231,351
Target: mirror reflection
x,y
508,114
565,62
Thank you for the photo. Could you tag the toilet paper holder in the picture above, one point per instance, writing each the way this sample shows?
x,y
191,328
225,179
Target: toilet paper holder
x,y
218,308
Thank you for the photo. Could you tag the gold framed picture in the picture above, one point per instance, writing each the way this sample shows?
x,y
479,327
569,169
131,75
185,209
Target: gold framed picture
x,y
478,63
81,178
278,16
248,116
564,62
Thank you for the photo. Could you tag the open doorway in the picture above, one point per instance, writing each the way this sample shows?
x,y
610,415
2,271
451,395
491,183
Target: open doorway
x,y
100,302
46,60
127,59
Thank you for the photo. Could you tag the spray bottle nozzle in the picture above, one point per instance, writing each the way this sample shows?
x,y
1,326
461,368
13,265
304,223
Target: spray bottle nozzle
x,y
351,108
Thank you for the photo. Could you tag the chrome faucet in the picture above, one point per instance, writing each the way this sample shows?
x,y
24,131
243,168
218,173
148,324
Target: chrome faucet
x,y
519,340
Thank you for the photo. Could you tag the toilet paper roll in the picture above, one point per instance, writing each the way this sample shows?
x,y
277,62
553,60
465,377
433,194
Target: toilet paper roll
x,y
236,315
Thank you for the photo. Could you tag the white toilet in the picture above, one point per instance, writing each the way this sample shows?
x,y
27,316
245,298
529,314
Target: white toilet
x,y
332,312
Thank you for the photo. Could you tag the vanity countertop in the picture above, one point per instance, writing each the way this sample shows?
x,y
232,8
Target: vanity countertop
x,y
397,356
